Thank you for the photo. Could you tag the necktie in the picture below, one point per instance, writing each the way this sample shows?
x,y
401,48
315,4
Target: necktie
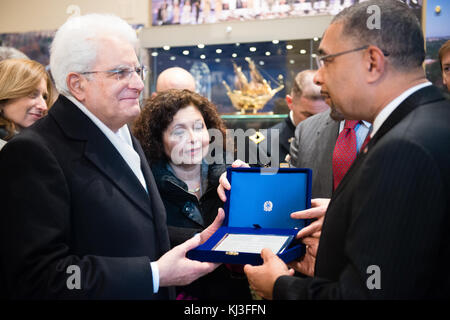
x,y
344,152
366,142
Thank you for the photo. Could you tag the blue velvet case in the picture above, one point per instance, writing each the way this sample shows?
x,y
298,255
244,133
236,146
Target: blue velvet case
x,y
260,202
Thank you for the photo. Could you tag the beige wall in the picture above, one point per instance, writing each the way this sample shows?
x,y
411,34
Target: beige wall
x,y
42,15
38,15
235,31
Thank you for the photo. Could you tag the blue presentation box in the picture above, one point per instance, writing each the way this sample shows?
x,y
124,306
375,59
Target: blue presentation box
x,y
257,209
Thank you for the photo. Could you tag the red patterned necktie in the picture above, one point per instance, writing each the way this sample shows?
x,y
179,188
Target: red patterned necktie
x,y
344,152
366,142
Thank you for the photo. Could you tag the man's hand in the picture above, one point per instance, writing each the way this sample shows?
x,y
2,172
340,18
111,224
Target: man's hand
x,y
310,235
262,278
213,227
224,184
317,211
308,261
177,270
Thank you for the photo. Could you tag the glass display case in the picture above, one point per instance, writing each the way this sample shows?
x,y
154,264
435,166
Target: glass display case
x,y
215,68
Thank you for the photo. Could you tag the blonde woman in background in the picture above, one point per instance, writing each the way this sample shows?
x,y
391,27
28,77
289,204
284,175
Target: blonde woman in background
x,y
26,93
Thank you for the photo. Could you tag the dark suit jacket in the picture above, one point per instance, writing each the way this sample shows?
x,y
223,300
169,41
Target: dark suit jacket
x,y
69,198
391,211
313,148
263,151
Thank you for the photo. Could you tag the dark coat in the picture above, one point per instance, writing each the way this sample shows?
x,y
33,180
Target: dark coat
x,y
391,211
278,136
3,133
69,198
186,216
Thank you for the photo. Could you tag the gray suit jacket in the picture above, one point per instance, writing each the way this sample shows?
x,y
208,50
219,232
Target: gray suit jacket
x,y
313,148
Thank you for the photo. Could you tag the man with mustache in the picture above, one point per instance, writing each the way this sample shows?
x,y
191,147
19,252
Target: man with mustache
x,y
385,233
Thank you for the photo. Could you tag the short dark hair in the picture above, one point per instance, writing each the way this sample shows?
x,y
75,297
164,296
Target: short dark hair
x,y
158,113
400,34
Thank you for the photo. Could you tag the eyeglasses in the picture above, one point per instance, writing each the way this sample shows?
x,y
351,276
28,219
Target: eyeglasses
x,y
321,60
123,73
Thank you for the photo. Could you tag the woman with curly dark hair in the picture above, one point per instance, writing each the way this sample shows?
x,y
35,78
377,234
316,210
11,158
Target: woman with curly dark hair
x,y
175,128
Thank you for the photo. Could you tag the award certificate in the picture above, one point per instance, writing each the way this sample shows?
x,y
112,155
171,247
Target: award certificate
x,y
251,243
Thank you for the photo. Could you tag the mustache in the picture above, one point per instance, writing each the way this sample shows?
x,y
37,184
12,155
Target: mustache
x,y
324,94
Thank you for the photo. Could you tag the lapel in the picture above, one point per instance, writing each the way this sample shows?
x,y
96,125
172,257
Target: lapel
x,y
326,128
100,151
152,189
330,130
421,97
328,133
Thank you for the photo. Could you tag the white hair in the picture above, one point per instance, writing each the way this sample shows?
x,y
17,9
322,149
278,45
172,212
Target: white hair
x,y
74,48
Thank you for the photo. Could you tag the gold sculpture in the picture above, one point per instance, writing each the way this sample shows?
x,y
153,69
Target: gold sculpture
x,y
250,96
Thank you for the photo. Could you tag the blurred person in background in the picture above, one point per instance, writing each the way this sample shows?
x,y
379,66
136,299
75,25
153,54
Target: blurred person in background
x,y
11,53
26,93
444,60
174,78
303,101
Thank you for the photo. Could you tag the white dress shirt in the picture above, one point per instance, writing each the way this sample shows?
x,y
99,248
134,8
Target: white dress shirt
x,y
121,140
391,106
361,131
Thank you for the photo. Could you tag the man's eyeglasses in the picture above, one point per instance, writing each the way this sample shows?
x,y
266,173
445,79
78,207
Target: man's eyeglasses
x,y
321,60
124,73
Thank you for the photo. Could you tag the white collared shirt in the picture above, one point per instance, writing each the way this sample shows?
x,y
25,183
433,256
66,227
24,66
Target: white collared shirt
x,y
362,129
391,106
121,140
291,116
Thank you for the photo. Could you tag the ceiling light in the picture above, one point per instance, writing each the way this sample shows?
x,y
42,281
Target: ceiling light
x,y
234,55
289,46
186,52
154,54
172,58
201,46
218,50
252,49
267,53
166,48
303,51
275,41
202,56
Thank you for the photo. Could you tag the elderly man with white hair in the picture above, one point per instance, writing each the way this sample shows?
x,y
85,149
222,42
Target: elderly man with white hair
x,y
81,214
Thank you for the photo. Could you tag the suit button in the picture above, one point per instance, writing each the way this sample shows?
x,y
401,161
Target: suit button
x,y
188,208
